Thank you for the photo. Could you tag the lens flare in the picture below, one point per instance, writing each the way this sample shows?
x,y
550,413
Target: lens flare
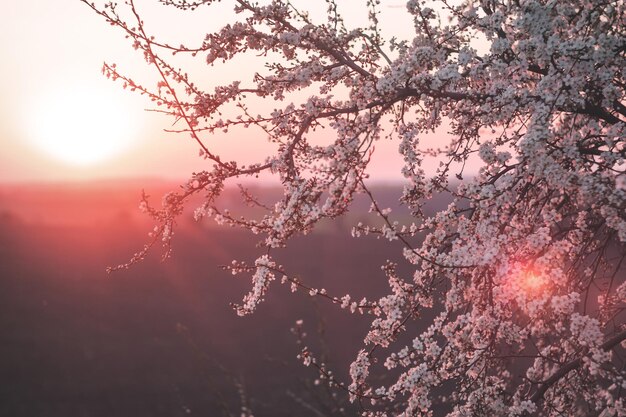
x,y
533,282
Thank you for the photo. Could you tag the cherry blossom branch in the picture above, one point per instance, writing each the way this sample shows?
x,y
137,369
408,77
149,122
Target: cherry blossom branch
x,y
572,365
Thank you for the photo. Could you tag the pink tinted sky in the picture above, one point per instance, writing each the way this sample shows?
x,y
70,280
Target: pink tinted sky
x,y
51,47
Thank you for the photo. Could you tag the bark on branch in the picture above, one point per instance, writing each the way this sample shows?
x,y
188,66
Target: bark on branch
x,y
570,366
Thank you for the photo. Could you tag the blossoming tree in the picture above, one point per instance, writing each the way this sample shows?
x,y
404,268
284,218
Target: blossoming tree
x,y
523,271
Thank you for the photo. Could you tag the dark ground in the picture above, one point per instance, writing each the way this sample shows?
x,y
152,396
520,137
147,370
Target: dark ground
x,y
160,339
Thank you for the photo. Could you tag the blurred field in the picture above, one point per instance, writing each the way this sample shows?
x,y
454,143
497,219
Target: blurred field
x,y
160,339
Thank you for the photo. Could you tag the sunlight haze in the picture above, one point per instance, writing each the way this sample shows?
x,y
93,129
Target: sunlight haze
x,y
53,51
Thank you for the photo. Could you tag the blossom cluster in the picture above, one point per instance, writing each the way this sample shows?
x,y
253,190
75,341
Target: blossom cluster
x,y
516,299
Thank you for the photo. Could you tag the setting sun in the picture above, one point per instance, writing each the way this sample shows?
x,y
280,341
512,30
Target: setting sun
x,y
80,125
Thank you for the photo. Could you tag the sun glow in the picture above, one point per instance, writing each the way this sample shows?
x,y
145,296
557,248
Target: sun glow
x,y
81,125
532,282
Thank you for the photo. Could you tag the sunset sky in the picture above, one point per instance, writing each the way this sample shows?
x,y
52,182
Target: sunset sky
x,y
52,58
63,120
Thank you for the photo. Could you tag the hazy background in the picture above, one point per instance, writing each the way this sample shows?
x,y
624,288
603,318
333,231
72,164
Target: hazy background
x,y
160,338
51,49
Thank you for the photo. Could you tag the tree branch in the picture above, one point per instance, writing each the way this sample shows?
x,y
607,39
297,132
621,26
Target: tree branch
x,y
570,366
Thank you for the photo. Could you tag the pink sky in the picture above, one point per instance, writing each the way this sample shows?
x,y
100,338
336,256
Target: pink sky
x,y
52,48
